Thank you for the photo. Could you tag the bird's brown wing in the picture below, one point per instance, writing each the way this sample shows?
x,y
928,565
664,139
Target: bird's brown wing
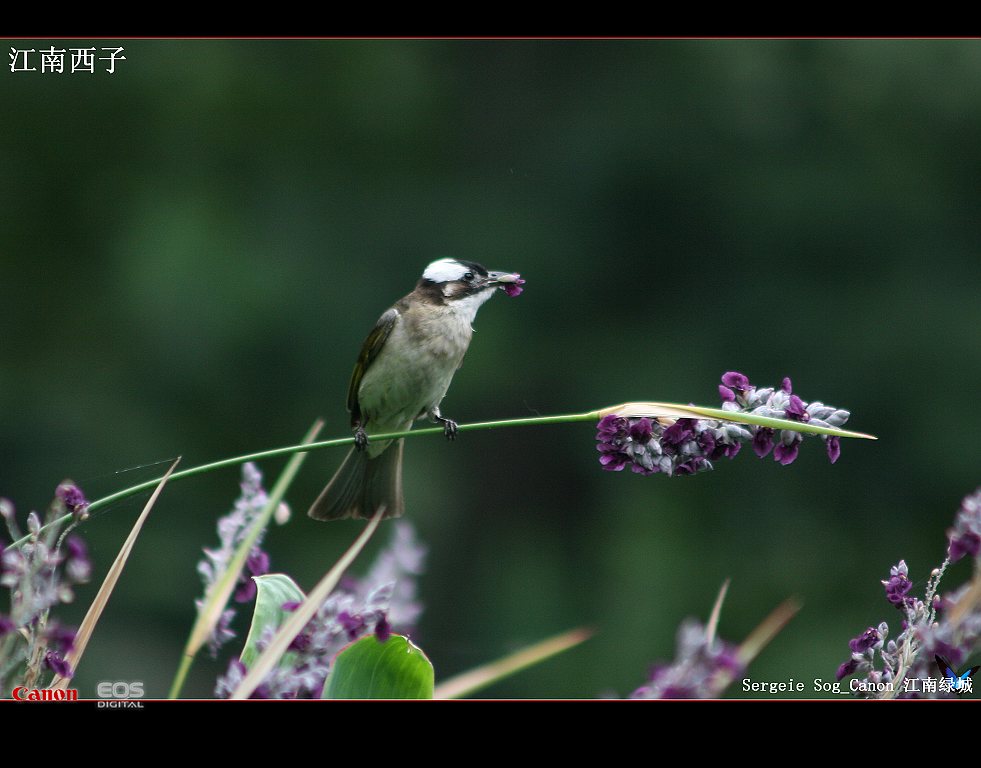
x,y
369,351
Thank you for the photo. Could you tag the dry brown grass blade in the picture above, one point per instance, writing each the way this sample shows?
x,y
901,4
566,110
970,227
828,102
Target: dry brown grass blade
x,y
109,583
481,677
713,622
768,629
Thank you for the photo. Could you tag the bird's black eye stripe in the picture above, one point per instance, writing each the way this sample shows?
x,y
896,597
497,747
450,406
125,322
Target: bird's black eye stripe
x,y
468,276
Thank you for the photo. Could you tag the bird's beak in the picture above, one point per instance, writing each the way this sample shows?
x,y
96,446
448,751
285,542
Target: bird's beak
x,y
502,278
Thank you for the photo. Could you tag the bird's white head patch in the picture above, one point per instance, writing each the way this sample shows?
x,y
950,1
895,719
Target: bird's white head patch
x,y
446,270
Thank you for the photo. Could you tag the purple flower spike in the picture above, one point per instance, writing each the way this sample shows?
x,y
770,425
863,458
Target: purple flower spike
x,y
379,604
702,668
688,445
6,625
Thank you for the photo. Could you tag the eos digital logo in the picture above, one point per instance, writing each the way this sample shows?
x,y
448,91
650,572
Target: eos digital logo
x,y
120,694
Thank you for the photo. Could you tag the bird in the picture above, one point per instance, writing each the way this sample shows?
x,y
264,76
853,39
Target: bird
x,y
402,374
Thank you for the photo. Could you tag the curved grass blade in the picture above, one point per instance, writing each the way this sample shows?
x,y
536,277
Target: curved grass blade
x,y
487,674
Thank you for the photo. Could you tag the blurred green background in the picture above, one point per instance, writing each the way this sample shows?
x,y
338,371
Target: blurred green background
x,y
193,248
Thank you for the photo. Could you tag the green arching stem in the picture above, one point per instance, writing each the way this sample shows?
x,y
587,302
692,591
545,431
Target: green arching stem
x,y
669,410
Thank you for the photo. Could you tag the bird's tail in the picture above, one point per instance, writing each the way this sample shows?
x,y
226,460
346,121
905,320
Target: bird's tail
x,y
363,485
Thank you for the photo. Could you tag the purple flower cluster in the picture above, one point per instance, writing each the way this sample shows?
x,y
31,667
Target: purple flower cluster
x,y
40,574
233,529
944,625
703,668
686,446
386,597
514,289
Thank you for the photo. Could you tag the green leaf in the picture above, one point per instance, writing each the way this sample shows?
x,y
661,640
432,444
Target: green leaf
x,y
369,669
274,589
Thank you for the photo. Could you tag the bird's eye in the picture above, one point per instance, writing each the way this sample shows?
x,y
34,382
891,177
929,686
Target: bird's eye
x,y
468,276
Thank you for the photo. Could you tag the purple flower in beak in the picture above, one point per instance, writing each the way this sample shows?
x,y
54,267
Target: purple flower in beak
x,y
513,287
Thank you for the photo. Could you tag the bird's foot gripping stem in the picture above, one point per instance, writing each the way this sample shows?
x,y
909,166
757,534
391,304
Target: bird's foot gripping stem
x,y
450,429
360,439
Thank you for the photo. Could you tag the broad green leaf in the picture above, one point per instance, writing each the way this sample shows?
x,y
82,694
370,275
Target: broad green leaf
x,y
274,589
369,669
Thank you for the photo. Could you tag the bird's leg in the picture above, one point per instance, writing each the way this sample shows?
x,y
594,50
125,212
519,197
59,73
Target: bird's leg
x,y
449,426
360,438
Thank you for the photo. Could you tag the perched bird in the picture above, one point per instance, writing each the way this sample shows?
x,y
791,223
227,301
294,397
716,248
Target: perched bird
x,y
402,374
